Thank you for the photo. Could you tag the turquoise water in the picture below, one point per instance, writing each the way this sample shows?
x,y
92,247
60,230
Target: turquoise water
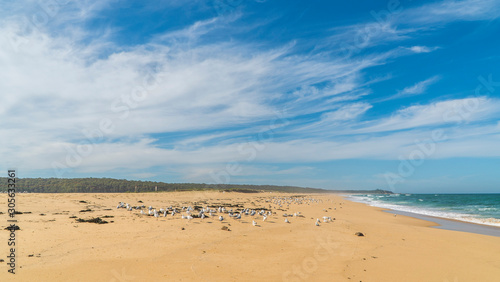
x,y
476,208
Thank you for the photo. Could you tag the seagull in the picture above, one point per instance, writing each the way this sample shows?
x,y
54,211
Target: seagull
x,y
264,218
286,220
254,223
202,216
317,223
221,218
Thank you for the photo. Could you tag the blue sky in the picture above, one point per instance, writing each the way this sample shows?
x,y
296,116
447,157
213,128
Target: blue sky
x,y
395,95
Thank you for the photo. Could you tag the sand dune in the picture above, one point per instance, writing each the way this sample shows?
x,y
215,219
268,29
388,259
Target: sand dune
x,y
51,246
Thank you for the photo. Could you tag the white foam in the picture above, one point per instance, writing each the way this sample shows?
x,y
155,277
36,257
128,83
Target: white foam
x,y
429,212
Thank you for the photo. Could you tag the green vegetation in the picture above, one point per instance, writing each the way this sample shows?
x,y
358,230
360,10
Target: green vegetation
x,y
110,185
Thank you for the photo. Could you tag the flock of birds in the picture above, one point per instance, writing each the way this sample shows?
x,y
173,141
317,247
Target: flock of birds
x,y
188,212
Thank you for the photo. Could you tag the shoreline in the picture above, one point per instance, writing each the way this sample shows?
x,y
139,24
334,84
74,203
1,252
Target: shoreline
x,y
441,222
452,224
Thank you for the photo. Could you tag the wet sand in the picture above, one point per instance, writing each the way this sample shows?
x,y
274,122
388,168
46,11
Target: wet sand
x,y
455,225
135,247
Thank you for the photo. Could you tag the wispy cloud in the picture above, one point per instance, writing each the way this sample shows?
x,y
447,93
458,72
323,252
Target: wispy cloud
x,y
416,89
438,113
422,49
186,101
452,10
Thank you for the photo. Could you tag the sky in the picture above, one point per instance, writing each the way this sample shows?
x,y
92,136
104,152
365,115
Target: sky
x,y
394,95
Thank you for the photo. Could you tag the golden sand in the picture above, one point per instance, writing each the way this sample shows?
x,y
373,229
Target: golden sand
x,y
135,247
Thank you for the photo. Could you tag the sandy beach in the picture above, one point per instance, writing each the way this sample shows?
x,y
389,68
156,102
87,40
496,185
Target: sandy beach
x,y
53,246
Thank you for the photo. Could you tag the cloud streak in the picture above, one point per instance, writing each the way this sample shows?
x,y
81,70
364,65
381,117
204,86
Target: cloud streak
x,y
190,101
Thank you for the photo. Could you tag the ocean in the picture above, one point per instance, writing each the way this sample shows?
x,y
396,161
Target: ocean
x,y
475,208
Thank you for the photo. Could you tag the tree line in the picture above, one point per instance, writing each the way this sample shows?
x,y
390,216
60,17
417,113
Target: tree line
x,y
111,185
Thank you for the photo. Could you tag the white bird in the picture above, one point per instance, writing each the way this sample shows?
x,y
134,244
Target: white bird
x,y
254,223
221,218
317,223
286,220
264,218
202,216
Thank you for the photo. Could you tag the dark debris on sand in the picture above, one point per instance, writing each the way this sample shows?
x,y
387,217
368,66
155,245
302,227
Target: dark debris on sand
x,y
97,220
12,227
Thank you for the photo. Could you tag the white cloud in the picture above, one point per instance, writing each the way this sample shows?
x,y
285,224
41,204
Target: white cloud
x,y
452,10
455,111
416,89
56,88
422,49
346,113
419,87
